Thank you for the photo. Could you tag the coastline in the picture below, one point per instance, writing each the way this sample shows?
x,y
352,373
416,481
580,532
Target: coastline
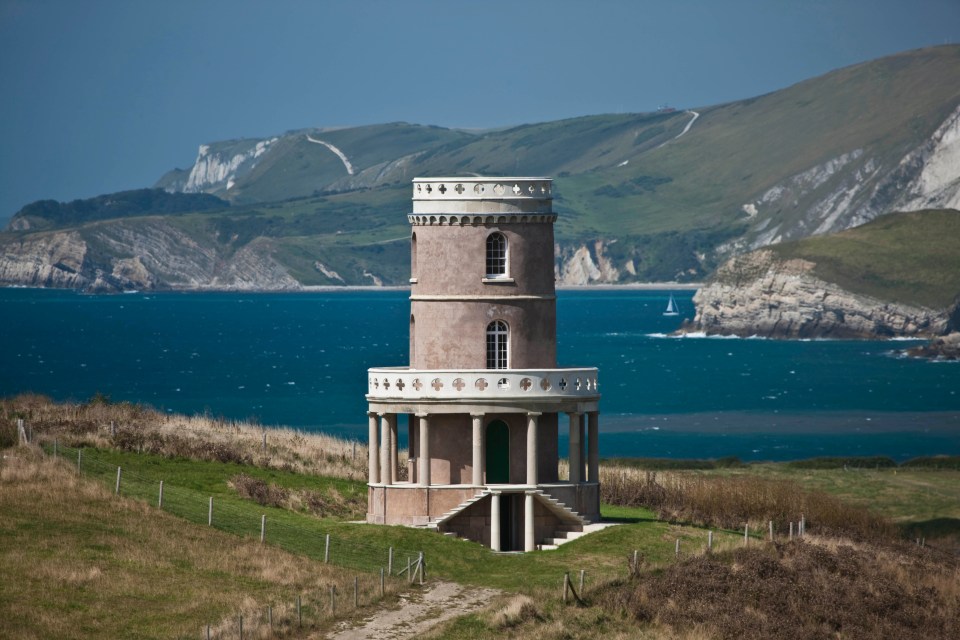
x,y
637,286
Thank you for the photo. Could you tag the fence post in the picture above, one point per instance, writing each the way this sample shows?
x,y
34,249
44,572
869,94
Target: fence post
x,y
113,429
791,531
803,526
582,572
160,499
210,513
241,626
264,440
333,600
709,541
676,551
382,592
635,567
566,586
420,566
356,592
390,561
79,461
299,613
746,534
118,481
326,551
54,447
21,432
354,449
208,632
263,527
771,531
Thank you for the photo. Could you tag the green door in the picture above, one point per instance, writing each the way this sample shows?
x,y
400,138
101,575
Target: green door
x,y
498,453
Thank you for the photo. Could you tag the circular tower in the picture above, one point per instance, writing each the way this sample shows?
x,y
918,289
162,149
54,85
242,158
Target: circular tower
x,y
483,395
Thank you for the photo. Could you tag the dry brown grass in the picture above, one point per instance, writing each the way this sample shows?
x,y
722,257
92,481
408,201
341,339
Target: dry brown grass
x,y
327,504
810,589
142,429
79,562
732,501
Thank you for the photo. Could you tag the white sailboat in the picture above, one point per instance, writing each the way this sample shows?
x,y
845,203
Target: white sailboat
x,y
671,307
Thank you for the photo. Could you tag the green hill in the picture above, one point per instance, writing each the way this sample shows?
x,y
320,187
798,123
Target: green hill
x,y
654,196
909,258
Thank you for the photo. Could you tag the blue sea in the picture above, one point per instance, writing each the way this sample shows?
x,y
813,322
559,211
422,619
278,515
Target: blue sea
x,y
300,359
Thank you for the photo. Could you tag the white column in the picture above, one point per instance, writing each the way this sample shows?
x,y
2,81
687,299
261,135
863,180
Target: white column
x,y
583,446
575,447
478,457
412,427
529,540
394,460
495,522
374,463
532,474
424,475
385,475
594,430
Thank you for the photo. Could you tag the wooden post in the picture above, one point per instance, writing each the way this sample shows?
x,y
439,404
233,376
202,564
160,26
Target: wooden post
x,y
333,600
746,534
803,526
408,569
354,449
113,429
299,613
582,572
420,566
635,567
356,592
382,585
264,440
771,531
270,617
118,481
241,626
208,632
21,432
326,551
210,512
79,461
566,586
390,561
791,531
54,447
676,550
709,541
263,528
160,498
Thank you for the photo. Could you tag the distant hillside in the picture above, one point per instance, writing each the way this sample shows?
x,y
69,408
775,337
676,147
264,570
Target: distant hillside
x,y
46,214
640,197
896,276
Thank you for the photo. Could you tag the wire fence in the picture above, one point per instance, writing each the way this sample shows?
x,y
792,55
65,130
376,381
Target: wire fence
x,y
385,568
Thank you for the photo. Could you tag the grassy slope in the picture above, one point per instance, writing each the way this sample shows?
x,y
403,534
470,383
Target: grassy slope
x,y
79,562
905,257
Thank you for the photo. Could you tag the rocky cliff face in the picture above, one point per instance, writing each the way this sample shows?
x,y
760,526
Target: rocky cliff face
x,y
155,255
758,294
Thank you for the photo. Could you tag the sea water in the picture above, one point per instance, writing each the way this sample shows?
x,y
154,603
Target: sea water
x,y
300,359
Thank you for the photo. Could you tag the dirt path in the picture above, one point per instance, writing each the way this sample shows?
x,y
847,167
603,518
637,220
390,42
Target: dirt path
x,y
418,612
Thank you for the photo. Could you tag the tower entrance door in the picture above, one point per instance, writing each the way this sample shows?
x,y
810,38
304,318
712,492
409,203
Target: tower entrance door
x,y
498,453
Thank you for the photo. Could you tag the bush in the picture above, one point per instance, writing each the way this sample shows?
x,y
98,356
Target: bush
x,y
875,462
933,462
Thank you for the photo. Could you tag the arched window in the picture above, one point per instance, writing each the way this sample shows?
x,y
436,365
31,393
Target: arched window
x,y
496,255
413,257
498,343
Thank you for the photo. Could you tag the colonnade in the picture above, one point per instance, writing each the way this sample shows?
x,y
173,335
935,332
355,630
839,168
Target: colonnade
x,y
383,459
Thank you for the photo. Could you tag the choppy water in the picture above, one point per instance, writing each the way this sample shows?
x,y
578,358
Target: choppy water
x,y
301,359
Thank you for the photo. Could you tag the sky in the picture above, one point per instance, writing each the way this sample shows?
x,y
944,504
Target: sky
x,y
99,96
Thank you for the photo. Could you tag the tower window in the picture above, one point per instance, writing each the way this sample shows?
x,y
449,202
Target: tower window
x,y
496,255
498,341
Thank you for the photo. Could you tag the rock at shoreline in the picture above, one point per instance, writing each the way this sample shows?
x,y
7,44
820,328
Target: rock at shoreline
x,y
943,348
760,294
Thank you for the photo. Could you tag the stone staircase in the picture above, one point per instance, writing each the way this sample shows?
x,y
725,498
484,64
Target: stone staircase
x,y
435,524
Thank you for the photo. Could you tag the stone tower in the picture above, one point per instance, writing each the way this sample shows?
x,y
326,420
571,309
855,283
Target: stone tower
x,y
483,394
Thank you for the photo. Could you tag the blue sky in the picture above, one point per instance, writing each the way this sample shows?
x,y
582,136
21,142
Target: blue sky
x,y
100,96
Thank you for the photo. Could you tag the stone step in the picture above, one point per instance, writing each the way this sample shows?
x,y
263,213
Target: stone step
x,y
547,547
